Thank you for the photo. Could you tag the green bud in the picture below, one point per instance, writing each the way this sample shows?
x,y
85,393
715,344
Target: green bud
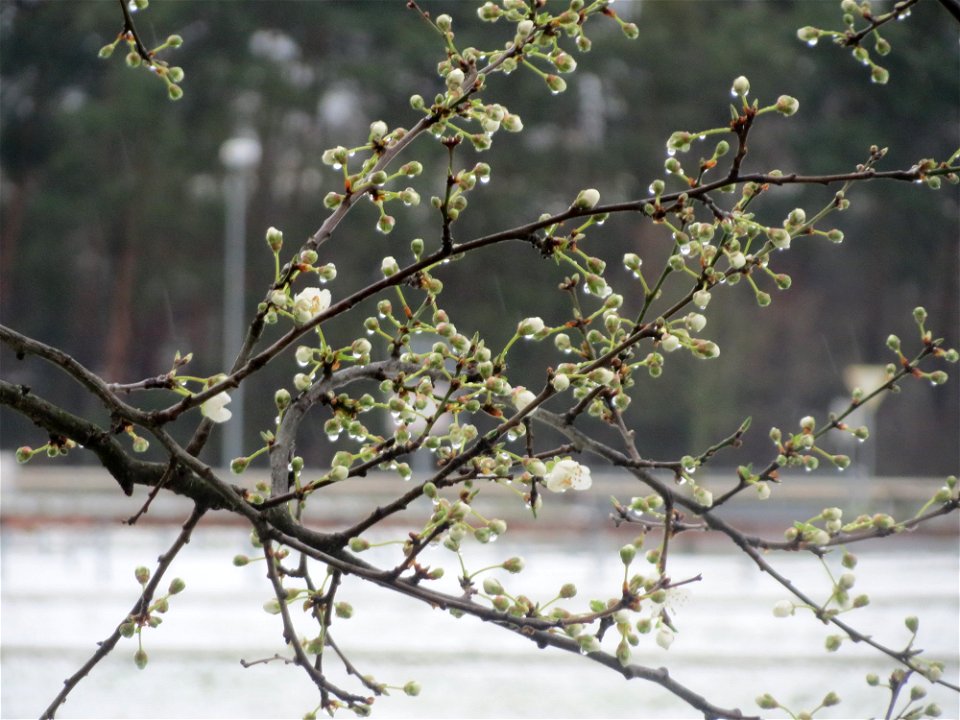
x,y
177,585
127,629
787,105
492,586
238,465
879,75
142,574
912,623
513,565
140,658
358,544
767,702
343,610
833,642
831,698
240,560
106,51
174,92
412,688
556,84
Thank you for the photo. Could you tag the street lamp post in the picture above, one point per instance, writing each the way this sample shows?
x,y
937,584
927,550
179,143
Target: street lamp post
x,y
240,156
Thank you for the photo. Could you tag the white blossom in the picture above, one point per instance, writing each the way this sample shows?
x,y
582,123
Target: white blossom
x,y
309,303
215,408
568,474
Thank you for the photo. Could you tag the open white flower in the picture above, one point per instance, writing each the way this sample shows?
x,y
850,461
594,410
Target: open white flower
x,y
568,475
309,303
215,408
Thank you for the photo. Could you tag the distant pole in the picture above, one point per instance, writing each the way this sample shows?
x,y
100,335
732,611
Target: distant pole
x,y
240,156
867,378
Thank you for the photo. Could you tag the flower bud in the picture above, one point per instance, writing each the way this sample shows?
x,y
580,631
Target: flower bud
x,y
492,586
389,266
142,574
238,465
530,326
787,105
411,688
741,87
784,608
627,554
556,84
513,565
587,199
767,702
140,658
455,79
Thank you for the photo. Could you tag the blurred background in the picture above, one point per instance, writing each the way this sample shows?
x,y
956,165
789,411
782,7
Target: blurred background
x,y
115,200
119,214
